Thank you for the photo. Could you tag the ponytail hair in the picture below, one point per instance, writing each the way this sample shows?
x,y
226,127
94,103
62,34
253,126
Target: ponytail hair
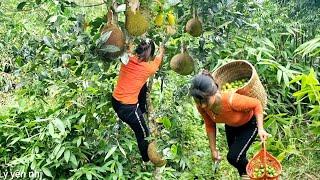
x,y
145,49
203,86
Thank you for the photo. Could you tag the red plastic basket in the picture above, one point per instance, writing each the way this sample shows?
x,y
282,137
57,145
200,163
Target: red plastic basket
x,y
265,159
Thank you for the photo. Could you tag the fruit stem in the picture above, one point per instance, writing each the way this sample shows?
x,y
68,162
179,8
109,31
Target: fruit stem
x,y
110,16
195,13
183,47
115,14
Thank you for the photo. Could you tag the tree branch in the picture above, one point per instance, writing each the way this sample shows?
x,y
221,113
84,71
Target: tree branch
x,y
150,112
91,5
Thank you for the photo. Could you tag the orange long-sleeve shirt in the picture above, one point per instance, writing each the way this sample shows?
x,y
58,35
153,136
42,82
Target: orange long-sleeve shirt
x,y
132,77
234,112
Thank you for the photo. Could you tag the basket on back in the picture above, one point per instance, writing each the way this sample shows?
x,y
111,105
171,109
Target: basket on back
x,y
266,161
240,69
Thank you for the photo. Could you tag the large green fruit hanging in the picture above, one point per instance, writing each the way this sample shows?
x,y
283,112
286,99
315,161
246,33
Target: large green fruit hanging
x,y
182,63
194,26
116,38
136,24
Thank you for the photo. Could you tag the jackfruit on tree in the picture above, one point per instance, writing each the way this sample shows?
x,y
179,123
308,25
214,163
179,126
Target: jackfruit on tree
x,y
182,63
136,24
116,38
154,156
194,26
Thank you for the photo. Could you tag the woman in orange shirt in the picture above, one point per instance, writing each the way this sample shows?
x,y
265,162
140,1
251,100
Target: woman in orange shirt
x,y
129,95
242,116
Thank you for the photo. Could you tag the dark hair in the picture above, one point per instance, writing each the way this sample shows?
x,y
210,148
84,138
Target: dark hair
x,y
203,86
145,49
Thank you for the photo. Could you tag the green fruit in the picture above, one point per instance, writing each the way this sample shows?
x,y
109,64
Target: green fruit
x,y
194,27
116,38
182,63
136,24
159,19
171,19
154,156
234,85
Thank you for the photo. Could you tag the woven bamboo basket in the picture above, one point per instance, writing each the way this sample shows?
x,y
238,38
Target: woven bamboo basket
x,y
239,69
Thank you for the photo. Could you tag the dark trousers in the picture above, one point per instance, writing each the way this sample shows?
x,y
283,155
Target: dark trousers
x,y
132,115
239,140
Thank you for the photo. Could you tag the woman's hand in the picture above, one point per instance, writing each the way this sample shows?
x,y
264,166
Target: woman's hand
x,y
215,155
263,134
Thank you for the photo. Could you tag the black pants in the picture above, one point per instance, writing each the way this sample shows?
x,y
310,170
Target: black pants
x,y
239,140
132,115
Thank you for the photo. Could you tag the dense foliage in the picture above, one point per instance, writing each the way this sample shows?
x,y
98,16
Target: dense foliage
x,y
55,112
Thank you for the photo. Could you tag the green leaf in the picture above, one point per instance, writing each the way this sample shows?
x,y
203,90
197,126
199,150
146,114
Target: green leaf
x,y
72,85
62,7
173,2
86,144
47,41
315,53
46,171
33,164
51,129
122,151
88,175
110,49
73,116
166,122
73,160
53,19
110,152
269,43
78,141
65,57
290,30
269,123
315,127
308,47
67,155
56,150
97,175
14,141
296,79
61,151
301,93
79,70
59,124
68,124
21,5
174,149
83,119
312,78
279,75
124,58
224,25
101,105
283,121
104,38
285,78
